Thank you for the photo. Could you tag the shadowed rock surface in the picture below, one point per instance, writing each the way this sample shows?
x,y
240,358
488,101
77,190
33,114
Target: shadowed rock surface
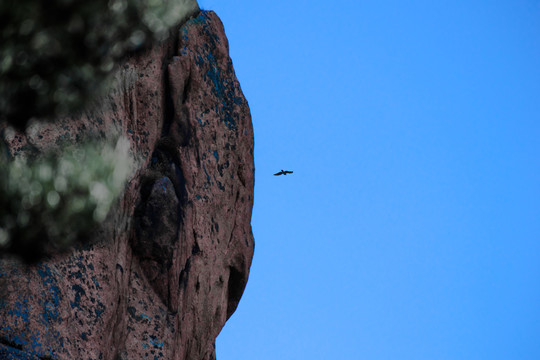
x,y
171,261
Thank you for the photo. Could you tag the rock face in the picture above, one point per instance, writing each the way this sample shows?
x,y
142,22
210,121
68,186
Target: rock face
x,y
170,263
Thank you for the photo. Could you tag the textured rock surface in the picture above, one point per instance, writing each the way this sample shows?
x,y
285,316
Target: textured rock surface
x,y
171,261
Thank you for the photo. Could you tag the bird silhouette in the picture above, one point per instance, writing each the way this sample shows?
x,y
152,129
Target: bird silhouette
x,y
283,172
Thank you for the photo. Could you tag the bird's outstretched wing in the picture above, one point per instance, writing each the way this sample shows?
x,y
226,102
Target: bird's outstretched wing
x,y
283,172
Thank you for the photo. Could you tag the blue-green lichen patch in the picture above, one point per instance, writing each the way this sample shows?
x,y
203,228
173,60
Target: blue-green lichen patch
x,y
154,346
14,338
157,344
216,69
51,300
19,320
151,342
79,270
19,313
132,311
223,87
199,20
79,293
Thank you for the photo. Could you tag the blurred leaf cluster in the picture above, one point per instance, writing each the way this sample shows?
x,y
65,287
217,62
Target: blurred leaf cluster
x,y
55,55
54,201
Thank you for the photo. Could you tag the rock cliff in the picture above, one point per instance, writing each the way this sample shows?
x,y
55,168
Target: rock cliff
x,y
169,265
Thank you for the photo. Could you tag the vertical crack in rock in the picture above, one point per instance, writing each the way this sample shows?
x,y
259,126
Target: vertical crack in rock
x,y
169,265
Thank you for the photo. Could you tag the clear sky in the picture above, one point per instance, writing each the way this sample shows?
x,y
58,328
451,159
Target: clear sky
x,y
410,228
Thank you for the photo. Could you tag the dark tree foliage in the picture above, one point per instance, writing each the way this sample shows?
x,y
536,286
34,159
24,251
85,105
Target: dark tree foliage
x,y
55,55
53,201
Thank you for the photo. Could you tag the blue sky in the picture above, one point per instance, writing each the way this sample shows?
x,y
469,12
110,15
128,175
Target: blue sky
x,y
410,228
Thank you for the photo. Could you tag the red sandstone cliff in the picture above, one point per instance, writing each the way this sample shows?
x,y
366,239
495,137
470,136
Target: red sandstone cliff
x,y
170,263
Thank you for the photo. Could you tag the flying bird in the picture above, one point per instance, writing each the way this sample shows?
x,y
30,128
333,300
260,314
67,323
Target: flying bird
x,y
283,172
